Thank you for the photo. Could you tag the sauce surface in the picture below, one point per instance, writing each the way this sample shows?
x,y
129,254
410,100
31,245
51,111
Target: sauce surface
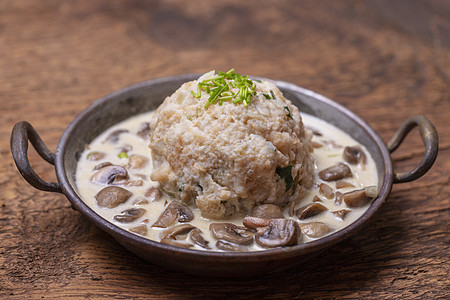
x,y
329,143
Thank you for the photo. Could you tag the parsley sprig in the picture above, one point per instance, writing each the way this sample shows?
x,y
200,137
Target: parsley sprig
x,y
227,86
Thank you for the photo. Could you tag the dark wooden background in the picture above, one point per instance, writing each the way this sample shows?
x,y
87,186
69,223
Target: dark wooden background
x,y
384,60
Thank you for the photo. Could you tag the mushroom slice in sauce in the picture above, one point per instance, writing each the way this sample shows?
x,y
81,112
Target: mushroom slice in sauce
x,y
175,243
95,155
231,233
144,130
170,214
153,194
315,229
343,184
130,215
102,165
113,137
110,175
310,210
140,229
335,172
326,190
280,232
112,196
172,233
356,198
197,238
267,211
354,155
230,247
255,222
341,213
137,161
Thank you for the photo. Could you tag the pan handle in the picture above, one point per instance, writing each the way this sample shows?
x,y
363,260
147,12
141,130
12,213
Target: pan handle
x,y
430,140
21,134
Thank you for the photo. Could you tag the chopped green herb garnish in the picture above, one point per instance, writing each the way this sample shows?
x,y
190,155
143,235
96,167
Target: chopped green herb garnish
x,y
288,112
285,173
273,95
122,155
267,96
220,88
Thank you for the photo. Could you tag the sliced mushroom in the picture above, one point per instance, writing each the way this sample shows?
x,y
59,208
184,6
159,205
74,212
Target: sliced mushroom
x,y
310,210
255,222
113,137
153,194
267,211
356,198
280,232
140,229
112,196
175,243
144,130
317,199
110,175
126,148
130,215
316,144
138,182
170,214
137,161
95,155
315,229
102,165
343,184
197,238
171,233
335,172
231,233
341,213
230,247
354,155
338,199
140,201
326,190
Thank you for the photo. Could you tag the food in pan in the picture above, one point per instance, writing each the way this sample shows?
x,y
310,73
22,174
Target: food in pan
x,y
226,163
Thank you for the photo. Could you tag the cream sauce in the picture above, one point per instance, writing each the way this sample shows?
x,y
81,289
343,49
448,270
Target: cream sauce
x,y
333,140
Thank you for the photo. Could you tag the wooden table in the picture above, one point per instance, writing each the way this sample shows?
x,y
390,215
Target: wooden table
x,y
384,60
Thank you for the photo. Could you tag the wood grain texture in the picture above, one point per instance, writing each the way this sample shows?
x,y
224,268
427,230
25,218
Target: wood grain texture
x,y
384,60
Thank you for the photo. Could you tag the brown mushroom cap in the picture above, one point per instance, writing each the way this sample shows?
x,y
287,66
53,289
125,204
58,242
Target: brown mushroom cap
x,y
110,175
222,245
310,210
197,238
95,155
267,211
144,130
335,172
354,155
130,215
355,198
137,161
171,233
326,190
173,210
280,232
113,137
255,222
112,196
153,194
231,233
315,229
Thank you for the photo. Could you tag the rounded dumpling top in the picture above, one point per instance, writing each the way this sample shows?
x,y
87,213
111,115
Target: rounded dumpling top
x,y
228,157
